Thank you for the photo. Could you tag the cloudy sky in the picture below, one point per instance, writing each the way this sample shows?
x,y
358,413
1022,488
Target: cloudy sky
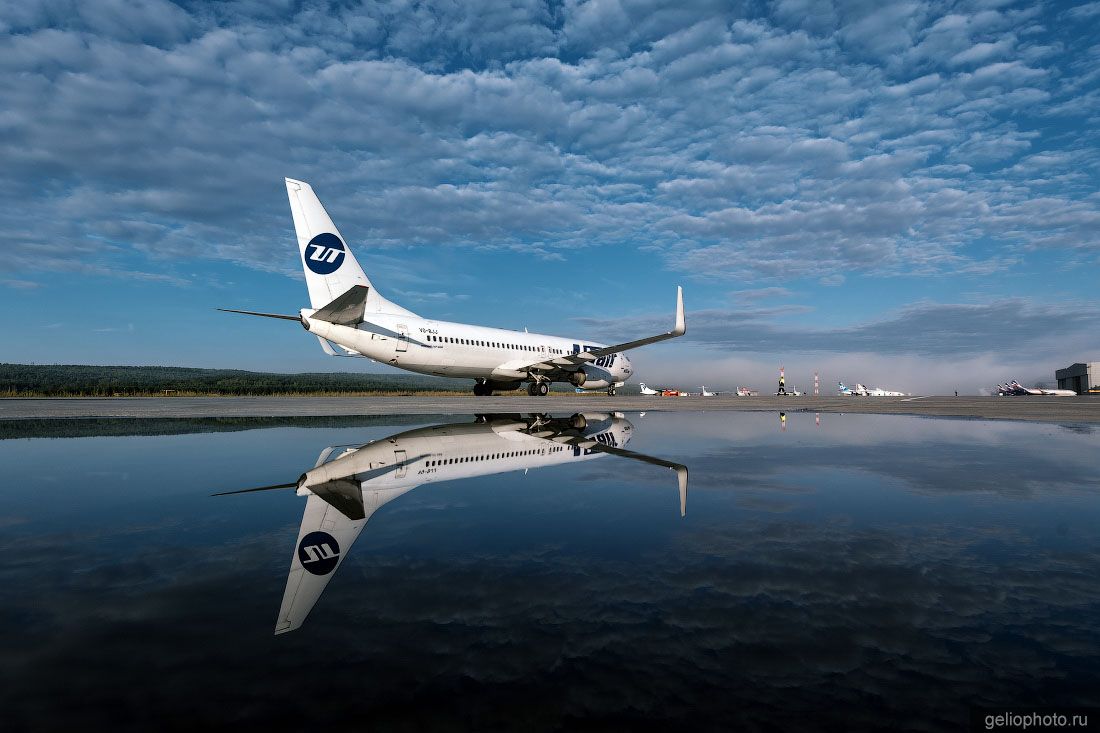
x,y
903,194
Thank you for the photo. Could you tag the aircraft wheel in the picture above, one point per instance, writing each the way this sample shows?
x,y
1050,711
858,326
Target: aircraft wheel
x,y
542,389
610,391
532,389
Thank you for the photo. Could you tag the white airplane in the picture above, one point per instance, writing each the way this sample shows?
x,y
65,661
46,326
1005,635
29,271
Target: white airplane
x,y
861,391
1014,388
706,393
879,392
348,485
647,390
348,313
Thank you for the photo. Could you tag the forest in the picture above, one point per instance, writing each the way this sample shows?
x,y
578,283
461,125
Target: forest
x,y
75,380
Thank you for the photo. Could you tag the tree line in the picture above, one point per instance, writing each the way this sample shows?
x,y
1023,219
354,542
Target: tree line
x,y
79,380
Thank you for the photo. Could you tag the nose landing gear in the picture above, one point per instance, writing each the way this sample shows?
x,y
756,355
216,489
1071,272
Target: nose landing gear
x,y
610,391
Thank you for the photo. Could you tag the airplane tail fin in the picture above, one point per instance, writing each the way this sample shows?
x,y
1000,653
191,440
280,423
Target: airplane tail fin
x,y
329,264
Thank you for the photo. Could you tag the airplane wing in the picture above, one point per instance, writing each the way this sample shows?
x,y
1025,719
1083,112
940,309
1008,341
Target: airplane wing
x,y
570,362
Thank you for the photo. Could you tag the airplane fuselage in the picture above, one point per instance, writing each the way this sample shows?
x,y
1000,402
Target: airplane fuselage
x,y
447,349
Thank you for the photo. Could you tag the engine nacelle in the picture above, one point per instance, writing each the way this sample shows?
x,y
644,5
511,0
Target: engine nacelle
x,y
582,379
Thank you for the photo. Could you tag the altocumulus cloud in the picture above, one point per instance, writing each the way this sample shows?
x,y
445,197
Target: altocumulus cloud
x,y
802,136
794,140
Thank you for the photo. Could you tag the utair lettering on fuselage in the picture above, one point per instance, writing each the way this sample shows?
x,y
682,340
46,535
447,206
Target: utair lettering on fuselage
x,y
350,318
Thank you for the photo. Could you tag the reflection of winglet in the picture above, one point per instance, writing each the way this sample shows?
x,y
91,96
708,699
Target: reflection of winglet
x,y
682,478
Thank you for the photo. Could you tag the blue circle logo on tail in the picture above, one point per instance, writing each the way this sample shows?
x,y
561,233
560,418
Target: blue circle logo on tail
x,y
324,254
319,553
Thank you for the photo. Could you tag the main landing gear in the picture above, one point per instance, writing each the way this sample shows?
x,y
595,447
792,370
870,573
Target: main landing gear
x,y
538,389
482,390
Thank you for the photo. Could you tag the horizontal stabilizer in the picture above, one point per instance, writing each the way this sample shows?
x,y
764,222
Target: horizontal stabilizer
x,y
258,488
344,495
264,315
347,309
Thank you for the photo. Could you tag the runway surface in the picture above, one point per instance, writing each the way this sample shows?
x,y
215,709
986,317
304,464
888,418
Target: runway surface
x,y
1049,409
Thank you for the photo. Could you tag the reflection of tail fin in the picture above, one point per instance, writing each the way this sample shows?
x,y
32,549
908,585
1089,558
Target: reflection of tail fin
x,y
324,539
682,479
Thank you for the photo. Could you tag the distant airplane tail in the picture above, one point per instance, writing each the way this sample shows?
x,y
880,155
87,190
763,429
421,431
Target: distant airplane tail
x,y
329,264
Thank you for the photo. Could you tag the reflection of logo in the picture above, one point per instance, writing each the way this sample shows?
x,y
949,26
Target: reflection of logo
x,y
606,438
324,254
319,552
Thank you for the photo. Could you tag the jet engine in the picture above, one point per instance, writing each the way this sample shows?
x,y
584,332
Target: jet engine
x,y
582,379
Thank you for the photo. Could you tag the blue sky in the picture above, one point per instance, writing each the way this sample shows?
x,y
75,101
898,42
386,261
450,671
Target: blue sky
x,y
902,194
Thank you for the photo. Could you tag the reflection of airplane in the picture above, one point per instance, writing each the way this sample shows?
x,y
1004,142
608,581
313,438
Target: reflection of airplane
x,y
646,390
348,484
706,393
1016,389
348,312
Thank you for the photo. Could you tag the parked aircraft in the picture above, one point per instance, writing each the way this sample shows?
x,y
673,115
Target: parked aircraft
x,y
879,392
706,393
1015,389
647,390
348,484
351,318
861,391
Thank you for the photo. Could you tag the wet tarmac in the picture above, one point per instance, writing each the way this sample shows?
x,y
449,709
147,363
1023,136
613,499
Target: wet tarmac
x,y
702,571
1047,409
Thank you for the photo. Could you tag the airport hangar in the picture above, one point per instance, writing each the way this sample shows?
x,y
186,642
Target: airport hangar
x,y
1081,378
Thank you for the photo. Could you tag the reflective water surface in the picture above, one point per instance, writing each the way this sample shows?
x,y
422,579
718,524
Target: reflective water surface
x,y
676,570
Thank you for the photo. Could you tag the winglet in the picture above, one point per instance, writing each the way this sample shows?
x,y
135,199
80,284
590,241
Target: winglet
x,y
681,324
